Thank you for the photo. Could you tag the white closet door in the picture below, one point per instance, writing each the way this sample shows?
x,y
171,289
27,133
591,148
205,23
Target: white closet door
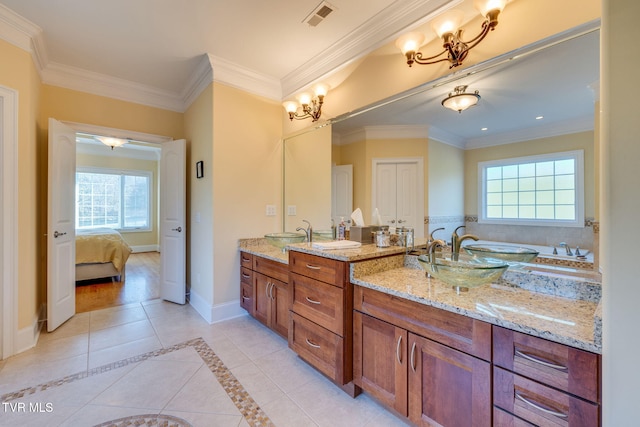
x,y
341,192
386,192
406,190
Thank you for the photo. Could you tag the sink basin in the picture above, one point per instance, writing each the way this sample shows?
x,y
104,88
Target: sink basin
x,y
467,272
322,235
510,254
280,240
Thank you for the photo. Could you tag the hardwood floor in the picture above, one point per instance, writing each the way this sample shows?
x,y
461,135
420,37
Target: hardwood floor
x,y
142,283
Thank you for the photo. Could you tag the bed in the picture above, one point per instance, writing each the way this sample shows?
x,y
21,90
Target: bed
x,y
100,253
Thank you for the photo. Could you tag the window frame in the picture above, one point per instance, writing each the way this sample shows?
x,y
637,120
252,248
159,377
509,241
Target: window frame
x,y
576,155
122,172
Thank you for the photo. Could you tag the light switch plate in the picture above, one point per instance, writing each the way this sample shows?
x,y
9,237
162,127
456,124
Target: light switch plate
x,y
271,210
291,210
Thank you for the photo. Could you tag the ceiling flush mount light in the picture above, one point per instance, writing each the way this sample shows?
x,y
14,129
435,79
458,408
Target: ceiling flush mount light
x,y
459,100
307,106
111,142
447,27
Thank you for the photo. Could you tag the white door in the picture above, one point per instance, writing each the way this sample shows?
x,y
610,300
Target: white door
x,y
61,235
398,193
173,231
341,192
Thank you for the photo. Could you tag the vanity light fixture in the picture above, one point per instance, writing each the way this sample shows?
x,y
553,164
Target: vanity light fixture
x,y
111,142
447,27
307,106
459,100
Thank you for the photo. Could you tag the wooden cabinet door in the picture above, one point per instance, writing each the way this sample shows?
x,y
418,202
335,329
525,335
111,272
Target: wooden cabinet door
x,y
279,320
380,360
447,387
261,297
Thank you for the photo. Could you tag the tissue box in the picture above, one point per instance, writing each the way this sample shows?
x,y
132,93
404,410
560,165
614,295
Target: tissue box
x,y
360,234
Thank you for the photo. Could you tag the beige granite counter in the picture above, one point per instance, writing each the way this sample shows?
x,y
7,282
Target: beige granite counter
x,y
570,319
260,247
364,252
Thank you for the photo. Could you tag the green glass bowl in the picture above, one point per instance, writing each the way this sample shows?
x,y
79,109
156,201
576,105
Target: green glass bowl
x,y
281,240
467,272
322,235
508,254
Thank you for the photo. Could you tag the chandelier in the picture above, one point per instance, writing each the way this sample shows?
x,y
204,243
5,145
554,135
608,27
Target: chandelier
x,y
447,27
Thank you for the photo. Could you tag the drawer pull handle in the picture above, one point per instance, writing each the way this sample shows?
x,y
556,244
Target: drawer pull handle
x,y
311,343
245,298
540,408
413,357
541,362
313,267
312,301
398,350
246,276
245,259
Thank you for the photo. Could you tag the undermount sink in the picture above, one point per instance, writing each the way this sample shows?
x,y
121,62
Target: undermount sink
x,y
512,255
467,272
281,240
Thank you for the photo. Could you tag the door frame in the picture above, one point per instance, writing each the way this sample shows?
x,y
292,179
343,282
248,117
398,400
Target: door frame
x,y
9,221
419,161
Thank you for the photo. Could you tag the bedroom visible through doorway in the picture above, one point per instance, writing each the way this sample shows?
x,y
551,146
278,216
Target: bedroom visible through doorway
x,y
141,283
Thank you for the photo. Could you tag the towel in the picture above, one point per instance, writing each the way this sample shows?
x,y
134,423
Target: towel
x,y
336,244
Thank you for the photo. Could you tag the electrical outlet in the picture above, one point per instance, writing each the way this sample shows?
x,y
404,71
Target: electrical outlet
x,y
291,210
271,210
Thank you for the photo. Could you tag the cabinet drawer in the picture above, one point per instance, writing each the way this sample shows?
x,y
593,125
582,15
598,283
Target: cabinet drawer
x,y
273,269
319,302
246,260
318,346
324,269
246,297
246,275
453,330
504,419
539,404
557,365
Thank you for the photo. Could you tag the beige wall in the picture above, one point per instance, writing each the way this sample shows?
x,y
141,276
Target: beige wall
x,y
198,125
23,77
133,238
445,172
247,175
577,141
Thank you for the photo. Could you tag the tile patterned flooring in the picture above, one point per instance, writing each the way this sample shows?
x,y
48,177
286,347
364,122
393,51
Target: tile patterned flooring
x,y
160,364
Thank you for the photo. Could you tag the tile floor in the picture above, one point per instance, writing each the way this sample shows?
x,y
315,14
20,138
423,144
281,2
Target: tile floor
x,y
164,362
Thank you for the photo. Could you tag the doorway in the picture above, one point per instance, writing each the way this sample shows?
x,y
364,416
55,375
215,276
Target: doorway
x,y
398,192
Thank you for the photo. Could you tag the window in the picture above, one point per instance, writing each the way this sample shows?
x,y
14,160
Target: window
x,y
114,199
535,190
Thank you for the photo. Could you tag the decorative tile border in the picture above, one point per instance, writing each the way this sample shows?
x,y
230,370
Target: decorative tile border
x,y
253,414
444,219
147,420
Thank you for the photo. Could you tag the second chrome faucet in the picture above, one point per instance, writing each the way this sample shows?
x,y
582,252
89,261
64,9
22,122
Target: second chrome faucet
x,y
456,242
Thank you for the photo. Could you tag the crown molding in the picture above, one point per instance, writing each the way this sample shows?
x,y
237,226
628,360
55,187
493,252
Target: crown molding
x,y
445,137
243,78
396,132
17,30
348,138
374,33
201,77
556,129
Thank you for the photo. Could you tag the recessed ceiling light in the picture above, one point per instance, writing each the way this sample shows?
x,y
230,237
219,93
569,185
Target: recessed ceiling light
x,y
539,117
484,128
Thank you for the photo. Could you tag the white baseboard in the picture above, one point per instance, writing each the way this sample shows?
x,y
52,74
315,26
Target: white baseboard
x,y
145,248
27,337
216,313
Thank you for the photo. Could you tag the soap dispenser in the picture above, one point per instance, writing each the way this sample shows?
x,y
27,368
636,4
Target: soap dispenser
x,y
342,229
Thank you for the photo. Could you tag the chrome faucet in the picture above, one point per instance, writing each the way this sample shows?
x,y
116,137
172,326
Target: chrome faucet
x,y
308,231
431,251
566,247
431,238
456,242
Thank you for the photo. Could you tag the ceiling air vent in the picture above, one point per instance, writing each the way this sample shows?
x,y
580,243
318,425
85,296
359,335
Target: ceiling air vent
x,y
319,14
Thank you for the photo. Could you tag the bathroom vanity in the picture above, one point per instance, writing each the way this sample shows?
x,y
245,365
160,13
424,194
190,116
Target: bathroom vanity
x,y
522,351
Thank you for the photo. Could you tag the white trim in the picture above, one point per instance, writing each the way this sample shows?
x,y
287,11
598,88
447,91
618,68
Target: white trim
x,y
419,161
199,304
243,78
576,155
218,312
118,133
144,248
9,221
27,337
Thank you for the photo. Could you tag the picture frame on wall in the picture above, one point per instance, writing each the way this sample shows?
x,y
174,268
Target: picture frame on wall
x,y
199,169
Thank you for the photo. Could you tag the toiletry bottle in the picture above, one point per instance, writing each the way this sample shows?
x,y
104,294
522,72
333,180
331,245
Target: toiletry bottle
x,y
342,228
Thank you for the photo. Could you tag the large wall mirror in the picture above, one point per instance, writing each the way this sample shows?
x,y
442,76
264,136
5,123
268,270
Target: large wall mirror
x,y
540,98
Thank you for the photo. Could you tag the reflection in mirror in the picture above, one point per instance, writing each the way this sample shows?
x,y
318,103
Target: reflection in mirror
x,y
307,180
555,80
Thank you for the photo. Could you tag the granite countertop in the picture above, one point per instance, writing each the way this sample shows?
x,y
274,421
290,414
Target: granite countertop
x,y
260,247
563,310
